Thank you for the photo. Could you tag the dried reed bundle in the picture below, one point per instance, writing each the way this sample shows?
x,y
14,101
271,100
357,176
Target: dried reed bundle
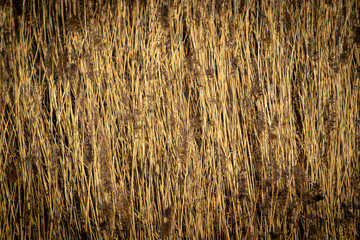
x,y
85,84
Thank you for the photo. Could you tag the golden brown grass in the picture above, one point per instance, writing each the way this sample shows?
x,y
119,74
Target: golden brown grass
x,y
179,119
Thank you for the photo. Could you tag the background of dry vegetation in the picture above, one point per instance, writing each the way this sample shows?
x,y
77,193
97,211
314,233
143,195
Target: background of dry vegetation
x,y
179,119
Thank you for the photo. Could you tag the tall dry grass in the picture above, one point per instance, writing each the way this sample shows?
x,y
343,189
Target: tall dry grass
x,y
179,119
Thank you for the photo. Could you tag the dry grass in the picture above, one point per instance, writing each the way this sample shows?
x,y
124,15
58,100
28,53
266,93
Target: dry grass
x,y
179,119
